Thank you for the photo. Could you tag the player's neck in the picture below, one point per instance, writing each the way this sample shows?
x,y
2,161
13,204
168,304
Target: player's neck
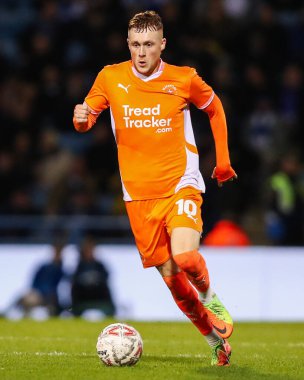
x,y
154,75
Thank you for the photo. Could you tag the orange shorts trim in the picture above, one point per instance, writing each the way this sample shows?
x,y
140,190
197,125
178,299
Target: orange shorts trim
x,y
153,220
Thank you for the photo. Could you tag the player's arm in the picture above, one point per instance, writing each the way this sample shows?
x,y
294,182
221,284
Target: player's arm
x,y
223,171
86,114
202,95
84,117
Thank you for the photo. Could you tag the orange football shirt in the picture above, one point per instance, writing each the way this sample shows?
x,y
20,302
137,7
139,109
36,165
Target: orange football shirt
x,y
151,123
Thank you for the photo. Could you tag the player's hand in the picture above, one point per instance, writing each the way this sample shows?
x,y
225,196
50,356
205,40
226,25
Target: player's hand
x,y
81,113
223,174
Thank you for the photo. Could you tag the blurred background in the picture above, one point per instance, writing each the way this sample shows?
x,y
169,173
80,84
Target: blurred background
x,y
251,53
56,181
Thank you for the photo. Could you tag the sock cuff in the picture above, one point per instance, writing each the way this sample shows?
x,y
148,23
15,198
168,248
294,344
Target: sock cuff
x,y
187,253
183,259
194,265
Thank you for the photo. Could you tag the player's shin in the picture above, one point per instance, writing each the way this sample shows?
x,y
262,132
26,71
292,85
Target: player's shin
x,y
194,265
187,300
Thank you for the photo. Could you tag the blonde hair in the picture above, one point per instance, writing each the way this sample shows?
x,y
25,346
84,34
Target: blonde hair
x,y
143,21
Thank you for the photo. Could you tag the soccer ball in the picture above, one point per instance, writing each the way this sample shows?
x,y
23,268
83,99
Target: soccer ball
x,y
119,345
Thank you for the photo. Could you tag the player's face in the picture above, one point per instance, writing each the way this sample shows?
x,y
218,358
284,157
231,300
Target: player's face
x,y
145,48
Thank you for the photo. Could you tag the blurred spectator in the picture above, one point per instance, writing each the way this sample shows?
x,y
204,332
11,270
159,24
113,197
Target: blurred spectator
x,y
291,94
291,97
285,216
44,288
90,289
51,166
227,233
263,134
255,86
73,193
237,8
103,149
8,178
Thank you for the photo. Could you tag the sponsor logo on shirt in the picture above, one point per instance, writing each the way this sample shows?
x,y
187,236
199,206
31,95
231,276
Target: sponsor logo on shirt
x,y
147,117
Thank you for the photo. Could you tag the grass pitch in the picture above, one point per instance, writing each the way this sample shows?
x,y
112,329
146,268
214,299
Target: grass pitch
x,y
65,349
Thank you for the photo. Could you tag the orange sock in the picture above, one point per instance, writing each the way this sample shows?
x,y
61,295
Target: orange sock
x,y
194,265
187,300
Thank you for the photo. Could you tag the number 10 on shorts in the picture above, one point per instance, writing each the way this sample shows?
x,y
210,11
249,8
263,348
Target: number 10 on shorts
x,y
188,207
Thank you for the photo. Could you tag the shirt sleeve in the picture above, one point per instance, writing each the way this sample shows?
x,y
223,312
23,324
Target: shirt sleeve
x,y
97,98
200,93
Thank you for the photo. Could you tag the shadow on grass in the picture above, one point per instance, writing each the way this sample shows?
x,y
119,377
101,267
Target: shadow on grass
x,y
176,359
236,372
200,367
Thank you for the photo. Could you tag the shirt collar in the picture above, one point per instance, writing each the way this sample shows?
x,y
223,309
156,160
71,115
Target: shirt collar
x,y
152,76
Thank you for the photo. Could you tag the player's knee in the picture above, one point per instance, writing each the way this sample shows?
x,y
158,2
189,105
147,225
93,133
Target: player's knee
x,y
191,262
169,268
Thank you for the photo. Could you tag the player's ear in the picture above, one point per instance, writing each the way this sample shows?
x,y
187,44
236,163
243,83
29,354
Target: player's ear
x,y
163,44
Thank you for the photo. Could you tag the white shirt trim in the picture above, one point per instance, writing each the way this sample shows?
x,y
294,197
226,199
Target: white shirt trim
x,y
208,101
91,110
152,76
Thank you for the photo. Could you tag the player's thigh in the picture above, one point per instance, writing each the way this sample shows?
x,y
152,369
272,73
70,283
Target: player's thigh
x,y
151,237
184,222
185,210
184,239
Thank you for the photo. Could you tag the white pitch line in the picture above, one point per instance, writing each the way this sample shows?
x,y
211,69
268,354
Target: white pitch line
x,y
41,353
198,356
268,345
42,338
61,353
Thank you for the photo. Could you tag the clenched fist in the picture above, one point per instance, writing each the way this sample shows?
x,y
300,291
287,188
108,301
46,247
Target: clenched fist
x,y
223,174
82,121
81,113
